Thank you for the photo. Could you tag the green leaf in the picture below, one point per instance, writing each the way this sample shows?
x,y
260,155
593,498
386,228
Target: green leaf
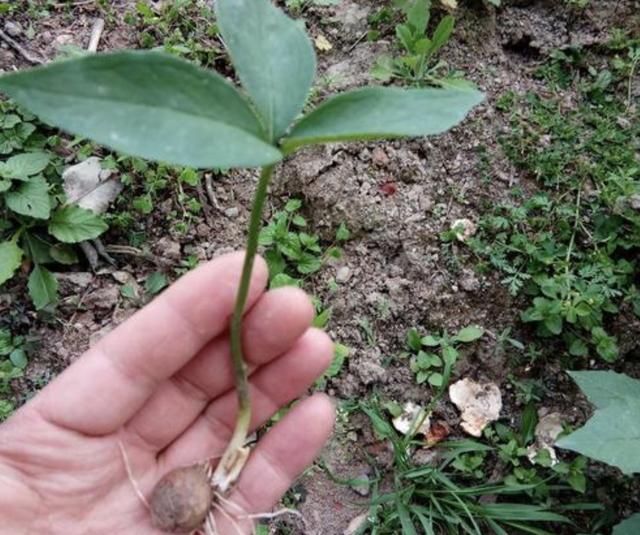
x,y
430,341
441,34
436,379
36,248
383,112
282,279
72,224
469,334
63,254
18,358
43,287
155,283
30,199
612,435
342,234
22,166
10,259
418,13
146,104
4,185
273,57
630,526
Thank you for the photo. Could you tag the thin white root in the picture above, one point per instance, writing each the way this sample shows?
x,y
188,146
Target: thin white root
x,y
228,516
132,479
275,514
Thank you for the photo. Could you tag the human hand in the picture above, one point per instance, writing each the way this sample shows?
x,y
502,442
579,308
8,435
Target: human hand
x,y
161,387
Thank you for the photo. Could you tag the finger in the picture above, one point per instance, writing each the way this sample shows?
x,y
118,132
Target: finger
x,y
272,326
271,387
278,460
110,382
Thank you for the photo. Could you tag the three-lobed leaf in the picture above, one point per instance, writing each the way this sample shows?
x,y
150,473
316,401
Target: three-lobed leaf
x,y
273,57
383,112
612,435
72,224
147,104
10,259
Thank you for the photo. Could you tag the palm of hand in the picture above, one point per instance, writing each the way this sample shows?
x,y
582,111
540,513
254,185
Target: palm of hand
x,y
159,388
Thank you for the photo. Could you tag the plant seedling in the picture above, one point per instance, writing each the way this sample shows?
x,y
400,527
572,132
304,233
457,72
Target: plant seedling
x,y
431,367
159,107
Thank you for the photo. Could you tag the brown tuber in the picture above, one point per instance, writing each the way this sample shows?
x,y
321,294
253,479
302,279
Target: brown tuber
x,y
181,500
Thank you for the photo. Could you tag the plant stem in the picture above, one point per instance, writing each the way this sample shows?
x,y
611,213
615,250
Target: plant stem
x,y
230,459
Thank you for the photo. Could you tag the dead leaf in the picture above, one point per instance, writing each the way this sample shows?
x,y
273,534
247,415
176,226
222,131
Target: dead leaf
x,y
479,403
323,44
89,186
409,417
437,432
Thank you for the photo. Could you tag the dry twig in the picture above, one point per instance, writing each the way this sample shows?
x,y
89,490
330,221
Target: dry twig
x,y
29,56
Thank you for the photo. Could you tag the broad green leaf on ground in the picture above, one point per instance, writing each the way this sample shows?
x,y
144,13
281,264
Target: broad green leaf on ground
x,y
10,258
22,166
146,104
30,198
383,112
630,526
36,249
469,334
43,287
72,224
612,435
272,56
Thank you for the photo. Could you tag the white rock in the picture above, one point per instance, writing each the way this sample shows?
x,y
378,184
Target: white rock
x,y
547,431
410,414
355,524
479,403
90,186
343,274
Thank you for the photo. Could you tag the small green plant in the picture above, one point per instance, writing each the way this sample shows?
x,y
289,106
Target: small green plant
x,y
159,107
571,248
290,251
37,226
416,62
299,5
13,359
433,357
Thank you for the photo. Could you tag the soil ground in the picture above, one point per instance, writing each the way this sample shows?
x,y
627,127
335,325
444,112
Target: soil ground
x,y
396,198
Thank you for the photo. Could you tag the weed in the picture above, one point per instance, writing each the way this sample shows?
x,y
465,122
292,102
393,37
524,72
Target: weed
x,y
433,357
13,360
572,246
416,64
37,226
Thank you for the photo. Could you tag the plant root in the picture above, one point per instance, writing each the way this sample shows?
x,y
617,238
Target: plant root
x,y
132,479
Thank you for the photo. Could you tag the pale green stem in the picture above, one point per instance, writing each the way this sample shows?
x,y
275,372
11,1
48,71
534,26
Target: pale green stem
x,y
243,418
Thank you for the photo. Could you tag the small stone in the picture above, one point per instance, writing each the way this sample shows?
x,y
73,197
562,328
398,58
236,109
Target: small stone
x,y
379,157
79,280
356,524
63,40
479,403
634,201
343,274
104,298
363,485
169,249
370,372
13,28
469,282
463,229
232,212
